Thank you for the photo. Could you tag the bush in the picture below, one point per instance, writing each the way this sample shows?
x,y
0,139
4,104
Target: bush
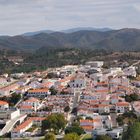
x,y
133,132
131,98
55,121
71,136
49,136
74,129
103,137
67,109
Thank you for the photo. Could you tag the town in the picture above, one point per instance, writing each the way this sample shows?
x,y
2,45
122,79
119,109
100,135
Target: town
x,y
87,100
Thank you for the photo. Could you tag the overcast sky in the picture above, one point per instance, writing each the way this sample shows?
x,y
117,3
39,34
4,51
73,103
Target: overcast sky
x,y
19,16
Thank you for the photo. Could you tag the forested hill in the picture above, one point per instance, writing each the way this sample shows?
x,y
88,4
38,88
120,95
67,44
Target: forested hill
x,y
114,40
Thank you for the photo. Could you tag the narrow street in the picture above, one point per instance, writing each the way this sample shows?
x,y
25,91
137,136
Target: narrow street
x,y
75,104
76,97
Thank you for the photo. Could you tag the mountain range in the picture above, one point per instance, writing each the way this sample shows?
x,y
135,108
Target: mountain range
x,y
68,30
127,39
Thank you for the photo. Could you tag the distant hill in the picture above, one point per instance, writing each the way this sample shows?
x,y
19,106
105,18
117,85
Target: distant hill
x,y
38,32
115,40
86,29
68,31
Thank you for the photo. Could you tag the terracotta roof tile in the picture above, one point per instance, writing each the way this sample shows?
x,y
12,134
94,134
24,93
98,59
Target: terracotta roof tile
x,y
3,103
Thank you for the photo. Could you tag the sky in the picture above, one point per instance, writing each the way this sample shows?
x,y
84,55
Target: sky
x,y
20,16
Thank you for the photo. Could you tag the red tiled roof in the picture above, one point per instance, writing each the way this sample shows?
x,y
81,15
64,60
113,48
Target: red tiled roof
x,y
122,104
3,103
32,99
88,128
39,90
37,118
23,125
26,107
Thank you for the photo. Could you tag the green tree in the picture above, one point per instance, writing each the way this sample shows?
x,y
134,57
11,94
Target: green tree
x,y
133,132
75,123
74,129
89,118
71,136
103,137
127,118
55,121
120,119
49,136
131,97
134,97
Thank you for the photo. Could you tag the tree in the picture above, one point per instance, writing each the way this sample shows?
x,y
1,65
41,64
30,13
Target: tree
x,y
134,97
52,75
48,108
74,111
75,128
15,98
71,136
133,132
64,92
12,100
127,118
103,137
120,119
54,121
75,123
131,97
89,118
67,109
79,118
53,91
49,136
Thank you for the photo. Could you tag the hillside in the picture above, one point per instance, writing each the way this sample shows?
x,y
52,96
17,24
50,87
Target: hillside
x,y
115,40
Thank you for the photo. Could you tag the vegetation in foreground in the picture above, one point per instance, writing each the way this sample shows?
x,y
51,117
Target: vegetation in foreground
x,y
133,132
54,123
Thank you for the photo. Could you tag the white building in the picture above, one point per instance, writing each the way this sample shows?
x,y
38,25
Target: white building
x,y
6,91
122,107
8,120
29,106
19,130
3,105
130,71
39,93
77,83
115,71
97,64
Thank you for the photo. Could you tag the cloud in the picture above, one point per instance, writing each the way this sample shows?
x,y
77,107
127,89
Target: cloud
x,y
19,16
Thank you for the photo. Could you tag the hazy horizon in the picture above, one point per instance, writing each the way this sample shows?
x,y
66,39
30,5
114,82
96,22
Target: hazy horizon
x,y
65,30
18,17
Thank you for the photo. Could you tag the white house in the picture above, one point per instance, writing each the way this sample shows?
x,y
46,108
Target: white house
x,y
19,130
3,105
40,93
96,64
122,107
6,91
31,105
114,71
34,84
130,71
77,83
